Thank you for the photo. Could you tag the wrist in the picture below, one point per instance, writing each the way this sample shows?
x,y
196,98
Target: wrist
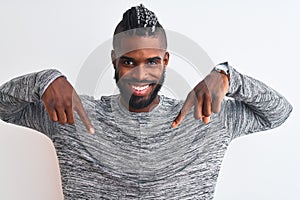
x,y
222,70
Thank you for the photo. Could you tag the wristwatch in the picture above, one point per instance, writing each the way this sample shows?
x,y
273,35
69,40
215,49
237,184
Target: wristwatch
x,y
222,68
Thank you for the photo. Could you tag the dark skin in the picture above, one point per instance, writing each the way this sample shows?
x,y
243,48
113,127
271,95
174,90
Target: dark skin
x,y
141,64
206,97
147,61
61,100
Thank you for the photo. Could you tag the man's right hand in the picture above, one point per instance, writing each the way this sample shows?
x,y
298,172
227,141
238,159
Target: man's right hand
x,y
61,100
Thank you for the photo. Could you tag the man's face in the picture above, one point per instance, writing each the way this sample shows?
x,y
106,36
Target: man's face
x,y
140,64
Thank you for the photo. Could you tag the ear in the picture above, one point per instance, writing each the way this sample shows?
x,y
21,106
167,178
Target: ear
x,y
166,59
113,58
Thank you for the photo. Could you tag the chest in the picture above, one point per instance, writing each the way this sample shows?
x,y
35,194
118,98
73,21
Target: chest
x,y
143,156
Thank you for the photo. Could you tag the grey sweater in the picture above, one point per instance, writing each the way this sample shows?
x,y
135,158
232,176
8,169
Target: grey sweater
x,y
139,155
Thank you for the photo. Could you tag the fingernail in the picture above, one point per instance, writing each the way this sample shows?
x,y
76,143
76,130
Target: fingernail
x,y
92,130
173,125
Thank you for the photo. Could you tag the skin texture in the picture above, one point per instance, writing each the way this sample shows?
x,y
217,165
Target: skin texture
x,y
140,67
138,61
206,97
61,100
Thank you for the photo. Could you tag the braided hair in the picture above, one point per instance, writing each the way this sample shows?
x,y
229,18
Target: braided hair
x,y
139,21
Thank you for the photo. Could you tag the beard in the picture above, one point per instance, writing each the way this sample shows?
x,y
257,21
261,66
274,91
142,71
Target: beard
x,y
139,102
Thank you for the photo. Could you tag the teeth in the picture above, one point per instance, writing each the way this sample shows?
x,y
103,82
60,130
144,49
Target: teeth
x,y
140,87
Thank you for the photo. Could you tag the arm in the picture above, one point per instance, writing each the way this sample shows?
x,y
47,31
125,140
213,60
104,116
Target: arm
x,y
27,100
20,100
255,106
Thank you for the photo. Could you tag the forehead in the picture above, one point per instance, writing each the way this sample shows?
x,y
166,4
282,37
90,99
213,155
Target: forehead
x,y
139,45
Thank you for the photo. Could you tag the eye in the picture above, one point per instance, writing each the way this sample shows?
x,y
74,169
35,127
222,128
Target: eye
x,y
128,62
152,62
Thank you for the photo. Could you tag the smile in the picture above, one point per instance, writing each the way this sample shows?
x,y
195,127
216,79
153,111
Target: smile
x,y
140,88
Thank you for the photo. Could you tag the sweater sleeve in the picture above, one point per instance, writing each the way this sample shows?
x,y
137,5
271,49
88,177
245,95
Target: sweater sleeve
x,y
252,106
21,104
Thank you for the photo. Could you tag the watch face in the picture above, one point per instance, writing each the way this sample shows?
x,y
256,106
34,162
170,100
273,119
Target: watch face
x,y
223,67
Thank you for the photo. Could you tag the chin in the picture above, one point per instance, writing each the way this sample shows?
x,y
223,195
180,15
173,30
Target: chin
x,y
139,102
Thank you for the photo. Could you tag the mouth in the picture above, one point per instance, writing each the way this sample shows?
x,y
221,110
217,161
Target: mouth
x,y
141,90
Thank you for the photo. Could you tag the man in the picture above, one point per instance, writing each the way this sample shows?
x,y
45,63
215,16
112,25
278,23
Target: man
x,y
144,145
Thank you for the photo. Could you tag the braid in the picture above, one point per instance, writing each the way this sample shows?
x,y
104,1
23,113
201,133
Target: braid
x,y
145,17
140,21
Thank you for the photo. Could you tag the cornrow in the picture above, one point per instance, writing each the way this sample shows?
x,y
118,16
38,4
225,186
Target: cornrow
x,y
140,21
145,17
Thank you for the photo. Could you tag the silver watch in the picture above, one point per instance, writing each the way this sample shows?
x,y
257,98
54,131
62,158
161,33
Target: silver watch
x,y
222,68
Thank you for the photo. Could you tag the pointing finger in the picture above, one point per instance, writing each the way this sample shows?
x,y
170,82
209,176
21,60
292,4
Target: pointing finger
x,y
78,107
86,121
189,102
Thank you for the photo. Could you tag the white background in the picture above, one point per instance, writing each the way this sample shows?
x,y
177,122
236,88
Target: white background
x,y
259,38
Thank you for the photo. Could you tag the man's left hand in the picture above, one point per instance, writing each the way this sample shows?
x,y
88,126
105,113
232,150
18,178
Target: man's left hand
x,y
206,98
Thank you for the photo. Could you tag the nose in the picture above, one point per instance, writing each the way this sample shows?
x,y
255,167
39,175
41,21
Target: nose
x,y
140,73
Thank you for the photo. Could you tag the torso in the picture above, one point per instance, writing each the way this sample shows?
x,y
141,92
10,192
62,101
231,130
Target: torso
x,y
139,155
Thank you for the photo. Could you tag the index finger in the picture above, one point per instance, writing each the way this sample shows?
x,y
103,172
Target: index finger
x,y
189,102
84,117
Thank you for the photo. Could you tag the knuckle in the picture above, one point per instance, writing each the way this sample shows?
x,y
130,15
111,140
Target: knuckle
x,y
59,105
68,104
199,95
206,112
50,102
62,122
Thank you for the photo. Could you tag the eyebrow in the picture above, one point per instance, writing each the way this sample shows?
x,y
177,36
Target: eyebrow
x,y
126,58
154,58
149,59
